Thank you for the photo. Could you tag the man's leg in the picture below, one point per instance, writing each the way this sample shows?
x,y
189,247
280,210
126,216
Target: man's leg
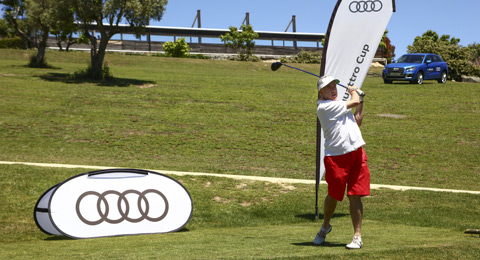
x,y
329,208
356,212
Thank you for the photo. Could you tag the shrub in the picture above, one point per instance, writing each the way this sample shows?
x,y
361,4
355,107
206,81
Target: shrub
x,y
90,73
190,56
474,53
304,57
36,62
179,48
11,43
198,56
252,58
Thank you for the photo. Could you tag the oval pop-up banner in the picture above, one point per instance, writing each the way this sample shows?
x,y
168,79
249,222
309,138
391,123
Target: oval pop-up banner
x,y
114,202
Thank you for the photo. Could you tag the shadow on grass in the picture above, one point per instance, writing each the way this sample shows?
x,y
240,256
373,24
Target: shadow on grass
x,y
311,216
326,244
46,66
429,82
115,82
60,237
184,229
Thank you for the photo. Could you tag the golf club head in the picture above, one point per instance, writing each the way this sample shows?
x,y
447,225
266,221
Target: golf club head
x,y
276,65
360,93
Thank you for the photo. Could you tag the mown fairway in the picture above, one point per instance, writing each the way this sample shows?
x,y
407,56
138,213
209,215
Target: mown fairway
x,y
236,118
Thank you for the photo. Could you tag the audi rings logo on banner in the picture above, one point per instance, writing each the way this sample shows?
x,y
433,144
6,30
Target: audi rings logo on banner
x,y
124,209
365,6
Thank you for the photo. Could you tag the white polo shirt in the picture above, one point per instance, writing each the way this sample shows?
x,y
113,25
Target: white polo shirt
x,y
341,132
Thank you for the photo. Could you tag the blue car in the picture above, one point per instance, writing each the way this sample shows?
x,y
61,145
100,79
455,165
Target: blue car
x,y
416,68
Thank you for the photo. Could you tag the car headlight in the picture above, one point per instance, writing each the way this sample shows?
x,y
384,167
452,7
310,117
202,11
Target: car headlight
x,y
412,69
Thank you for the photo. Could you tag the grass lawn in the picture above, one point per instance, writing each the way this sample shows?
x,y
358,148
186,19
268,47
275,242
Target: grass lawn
x,y
236,219
236,118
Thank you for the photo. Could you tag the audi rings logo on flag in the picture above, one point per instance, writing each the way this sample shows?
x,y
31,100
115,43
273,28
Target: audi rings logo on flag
x,y
123,206
365,6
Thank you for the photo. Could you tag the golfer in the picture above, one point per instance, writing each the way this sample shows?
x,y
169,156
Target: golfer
x,y
345,160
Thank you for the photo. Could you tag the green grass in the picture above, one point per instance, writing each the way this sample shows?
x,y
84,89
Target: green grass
x,y
236,219
236,118
228,117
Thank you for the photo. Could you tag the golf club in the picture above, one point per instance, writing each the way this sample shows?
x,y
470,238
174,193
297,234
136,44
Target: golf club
x,y
276,65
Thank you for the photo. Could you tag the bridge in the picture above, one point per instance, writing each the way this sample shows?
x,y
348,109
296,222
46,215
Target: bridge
x,y
200,46
273,48
266,44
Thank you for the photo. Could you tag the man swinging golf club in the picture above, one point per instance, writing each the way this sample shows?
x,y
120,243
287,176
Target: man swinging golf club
x,y
345,160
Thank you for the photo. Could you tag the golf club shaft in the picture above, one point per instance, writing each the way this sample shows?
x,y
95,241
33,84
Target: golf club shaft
x,y
301,70
361,93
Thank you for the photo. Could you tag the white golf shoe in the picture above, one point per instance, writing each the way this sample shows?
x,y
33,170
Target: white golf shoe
x,y
356,243
321,235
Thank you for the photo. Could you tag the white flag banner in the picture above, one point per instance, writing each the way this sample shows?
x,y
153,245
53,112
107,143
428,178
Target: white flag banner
x,y
354,33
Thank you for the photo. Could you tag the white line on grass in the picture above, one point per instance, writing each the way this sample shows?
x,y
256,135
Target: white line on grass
x,y
238,177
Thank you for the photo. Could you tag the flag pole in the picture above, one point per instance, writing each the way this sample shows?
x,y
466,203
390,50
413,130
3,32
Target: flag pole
x,y
317,170
319,126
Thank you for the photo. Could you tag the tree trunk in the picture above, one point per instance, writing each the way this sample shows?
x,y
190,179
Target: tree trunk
x,y
70,42
98,56
59,42
39,60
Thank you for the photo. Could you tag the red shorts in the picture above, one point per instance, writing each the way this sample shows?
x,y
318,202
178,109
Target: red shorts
x,y
351,169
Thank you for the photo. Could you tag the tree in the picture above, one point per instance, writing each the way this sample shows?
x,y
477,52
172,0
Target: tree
x,y
137,13
5,29
387,49
242,42
66,30
33,20
14,12
41,16
458,58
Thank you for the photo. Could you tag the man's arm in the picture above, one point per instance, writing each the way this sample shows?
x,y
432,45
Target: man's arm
x,y
359,114
355,100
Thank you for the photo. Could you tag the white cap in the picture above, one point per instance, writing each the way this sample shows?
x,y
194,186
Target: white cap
x,y
325,80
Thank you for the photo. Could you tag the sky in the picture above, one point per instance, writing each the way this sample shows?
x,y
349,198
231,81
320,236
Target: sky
x,y
457,18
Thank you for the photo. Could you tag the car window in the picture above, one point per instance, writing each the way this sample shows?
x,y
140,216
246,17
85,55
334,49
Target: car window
x,y
429,58
417,59
402,59
411,59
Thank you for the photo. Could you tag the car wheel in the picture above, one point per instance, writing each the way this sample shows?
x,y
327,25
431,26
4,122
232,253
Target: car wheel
x,y
443,78
387,81
419,79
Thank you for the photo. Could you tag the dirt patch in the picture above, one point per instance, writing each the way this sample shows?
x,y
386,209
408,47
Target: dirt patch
x,y
147,86
221,200
287,186
241,186
245,204
392,116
